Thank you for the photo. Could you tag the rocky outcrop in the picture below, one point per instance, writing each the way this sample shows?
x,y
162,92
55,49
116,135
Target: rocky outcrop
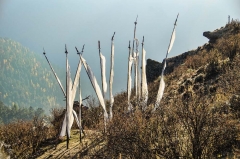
x,y
229,29
154,68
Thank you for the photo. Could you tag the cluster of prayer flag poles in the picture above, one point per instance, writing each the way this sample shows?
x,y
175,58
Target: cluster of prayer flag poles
x,y
141,90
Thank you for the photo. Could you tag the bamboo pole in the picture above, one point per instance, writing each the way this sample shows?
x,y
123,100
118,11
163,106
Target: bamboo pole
x,y
66,52
103,94
99,49
80,101
134,66
142,69
55,75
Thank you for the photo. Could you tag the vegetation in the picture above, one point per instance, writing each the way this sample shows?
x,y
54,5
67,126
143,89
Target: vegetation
x,y
198,116
25,137
26,78
14,113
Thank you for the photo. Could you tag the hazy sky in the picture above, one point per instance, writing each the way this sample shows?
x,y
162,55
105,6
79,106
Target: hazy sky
x,y
53,23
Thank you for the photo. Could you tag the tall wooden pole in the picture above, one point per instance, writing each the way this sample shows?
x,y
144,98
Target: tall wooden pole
x,y
103,94
66,52
80,101
99,49
55,75
142,69
134,66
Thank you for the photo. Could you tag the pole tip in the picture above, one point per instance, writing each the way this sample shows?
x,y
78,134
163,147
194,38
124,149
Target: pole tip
x,y
77,50
83,47
44,51
99,44
136,20
113,36
66,49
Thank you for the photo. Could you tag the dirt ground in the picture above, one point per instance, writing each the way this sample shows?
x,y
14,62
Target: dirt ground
x,y
91,143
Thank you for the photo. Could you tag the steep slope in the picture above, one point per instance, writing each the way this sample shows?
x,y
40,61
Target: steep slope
x,y
26,79
210,70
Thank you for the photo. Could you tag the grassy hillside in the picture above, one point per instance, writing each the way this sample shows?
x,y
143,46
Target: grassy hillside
x,y
26,78
198,116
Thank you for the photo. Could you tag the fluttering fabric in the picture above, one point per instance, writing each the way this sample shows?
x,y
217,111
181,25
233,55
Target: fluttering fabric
x,y
172,41
76,81
69,102
136,74
71,93
161,88
111,81
103,69
95,85
144,79
63,130
130,62
162,83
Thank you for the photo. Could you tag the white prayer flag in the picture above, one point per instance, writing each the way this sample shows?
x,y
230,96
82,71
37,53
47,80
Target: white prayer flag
x,y
63,130
71,93
103,69
161,88
111,81
136,73
69,101
172,41
130,62
144,78
76,80
162,83
95,85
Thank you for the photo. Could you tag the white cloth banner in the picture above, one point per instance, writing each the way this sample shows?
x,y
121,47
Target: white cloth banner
x,y
103,69
68,120
95,85
144,78
63,130
161,88
136,74
172,41
76,80
71,93
130,62
111,81
69,102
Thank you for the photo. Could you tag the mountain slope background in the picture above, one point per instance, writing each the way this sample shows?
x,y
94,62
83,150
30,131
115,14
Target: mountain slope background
x,y
26,79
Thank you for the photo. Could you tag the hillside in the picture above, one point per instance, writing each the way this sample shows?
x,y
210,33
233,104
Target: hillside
x,y
211,70
26,78
198,116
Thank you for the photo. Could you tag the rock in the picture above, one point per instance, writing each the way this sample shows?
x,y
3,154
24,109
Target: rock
x,y
212,36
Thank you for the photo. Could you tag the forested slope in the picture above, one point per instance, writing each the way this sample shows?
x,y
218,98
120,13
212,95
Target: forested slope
x,y
26,79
